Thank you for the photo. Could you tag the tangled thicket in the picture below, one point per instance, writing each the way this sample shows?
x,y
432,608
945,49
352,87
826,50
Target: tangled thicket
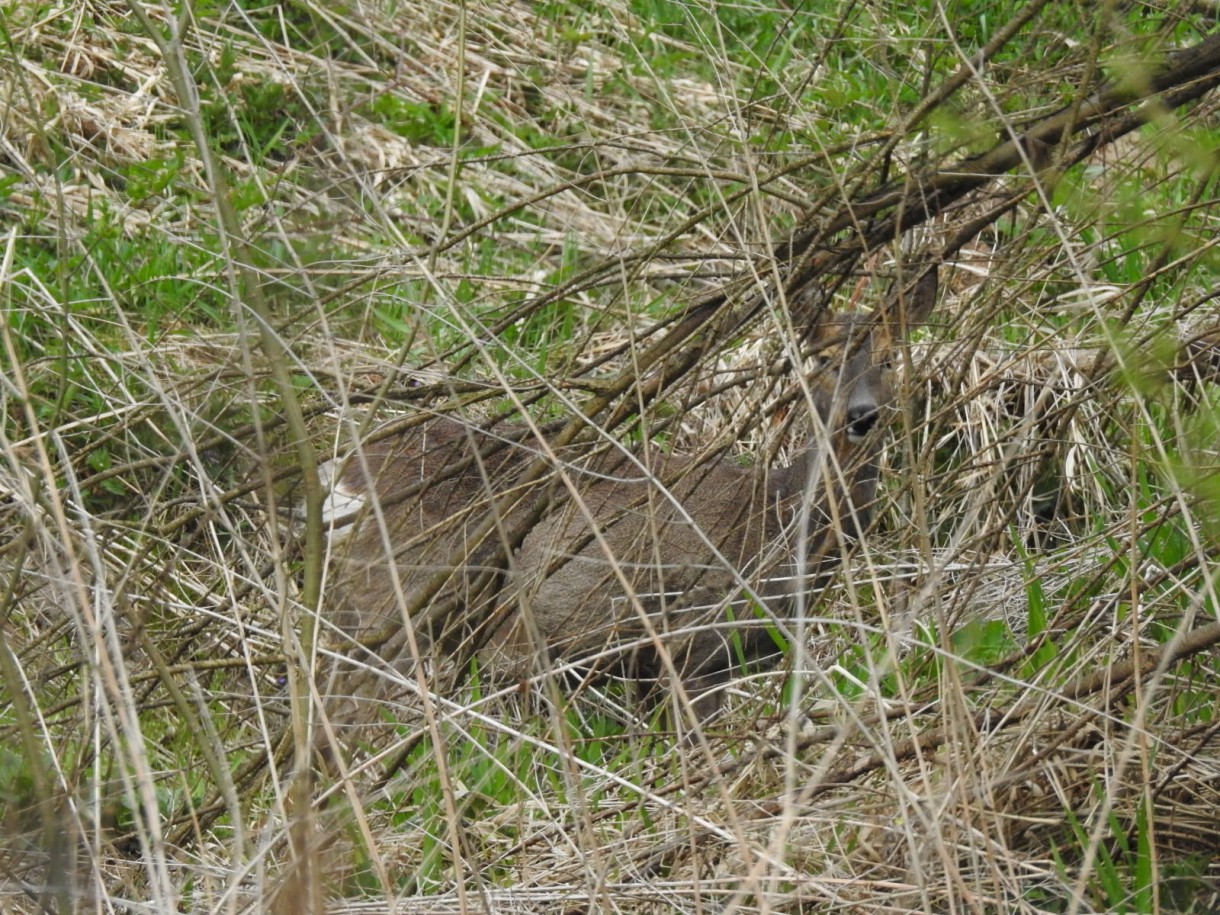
x,y
631,213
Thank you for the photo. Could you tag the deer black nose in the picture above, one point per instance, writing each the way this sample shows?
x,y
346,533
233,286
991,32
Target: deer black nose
x,y
860,421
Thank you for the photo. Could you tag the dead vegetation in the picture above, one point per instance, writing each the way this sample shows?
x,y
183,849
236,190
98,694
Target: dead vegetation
x,y
630,211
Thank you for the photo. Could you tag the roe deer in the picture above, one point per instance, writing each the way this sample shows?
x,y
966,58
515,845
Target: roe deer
x,y
620,561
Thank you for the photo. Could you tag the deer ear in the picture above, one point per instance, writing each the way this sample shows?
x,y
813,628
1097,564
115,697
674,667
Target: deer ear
x,y
910,305
915,302
829,338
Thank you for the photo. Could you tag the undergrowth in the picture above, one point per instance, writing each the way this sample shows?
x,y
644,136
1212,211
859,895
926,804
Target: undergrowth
x,y
219,271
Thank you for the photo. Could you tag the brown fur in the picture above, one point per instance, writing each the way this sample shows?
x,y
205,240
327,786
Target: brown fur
x,y
621,561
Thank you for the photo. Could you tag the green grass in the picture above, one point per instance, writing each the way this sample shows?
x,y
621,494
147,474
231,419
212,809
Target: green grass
x,y
604,168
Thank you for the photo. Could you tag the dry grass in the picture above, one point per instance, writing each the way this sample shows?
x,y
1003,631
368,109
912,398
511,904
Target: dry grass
x,y
1009,693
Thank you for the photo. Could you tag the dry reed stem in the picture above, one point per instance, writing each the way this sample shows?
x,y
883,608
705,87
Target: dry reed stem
x,y
1043,404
